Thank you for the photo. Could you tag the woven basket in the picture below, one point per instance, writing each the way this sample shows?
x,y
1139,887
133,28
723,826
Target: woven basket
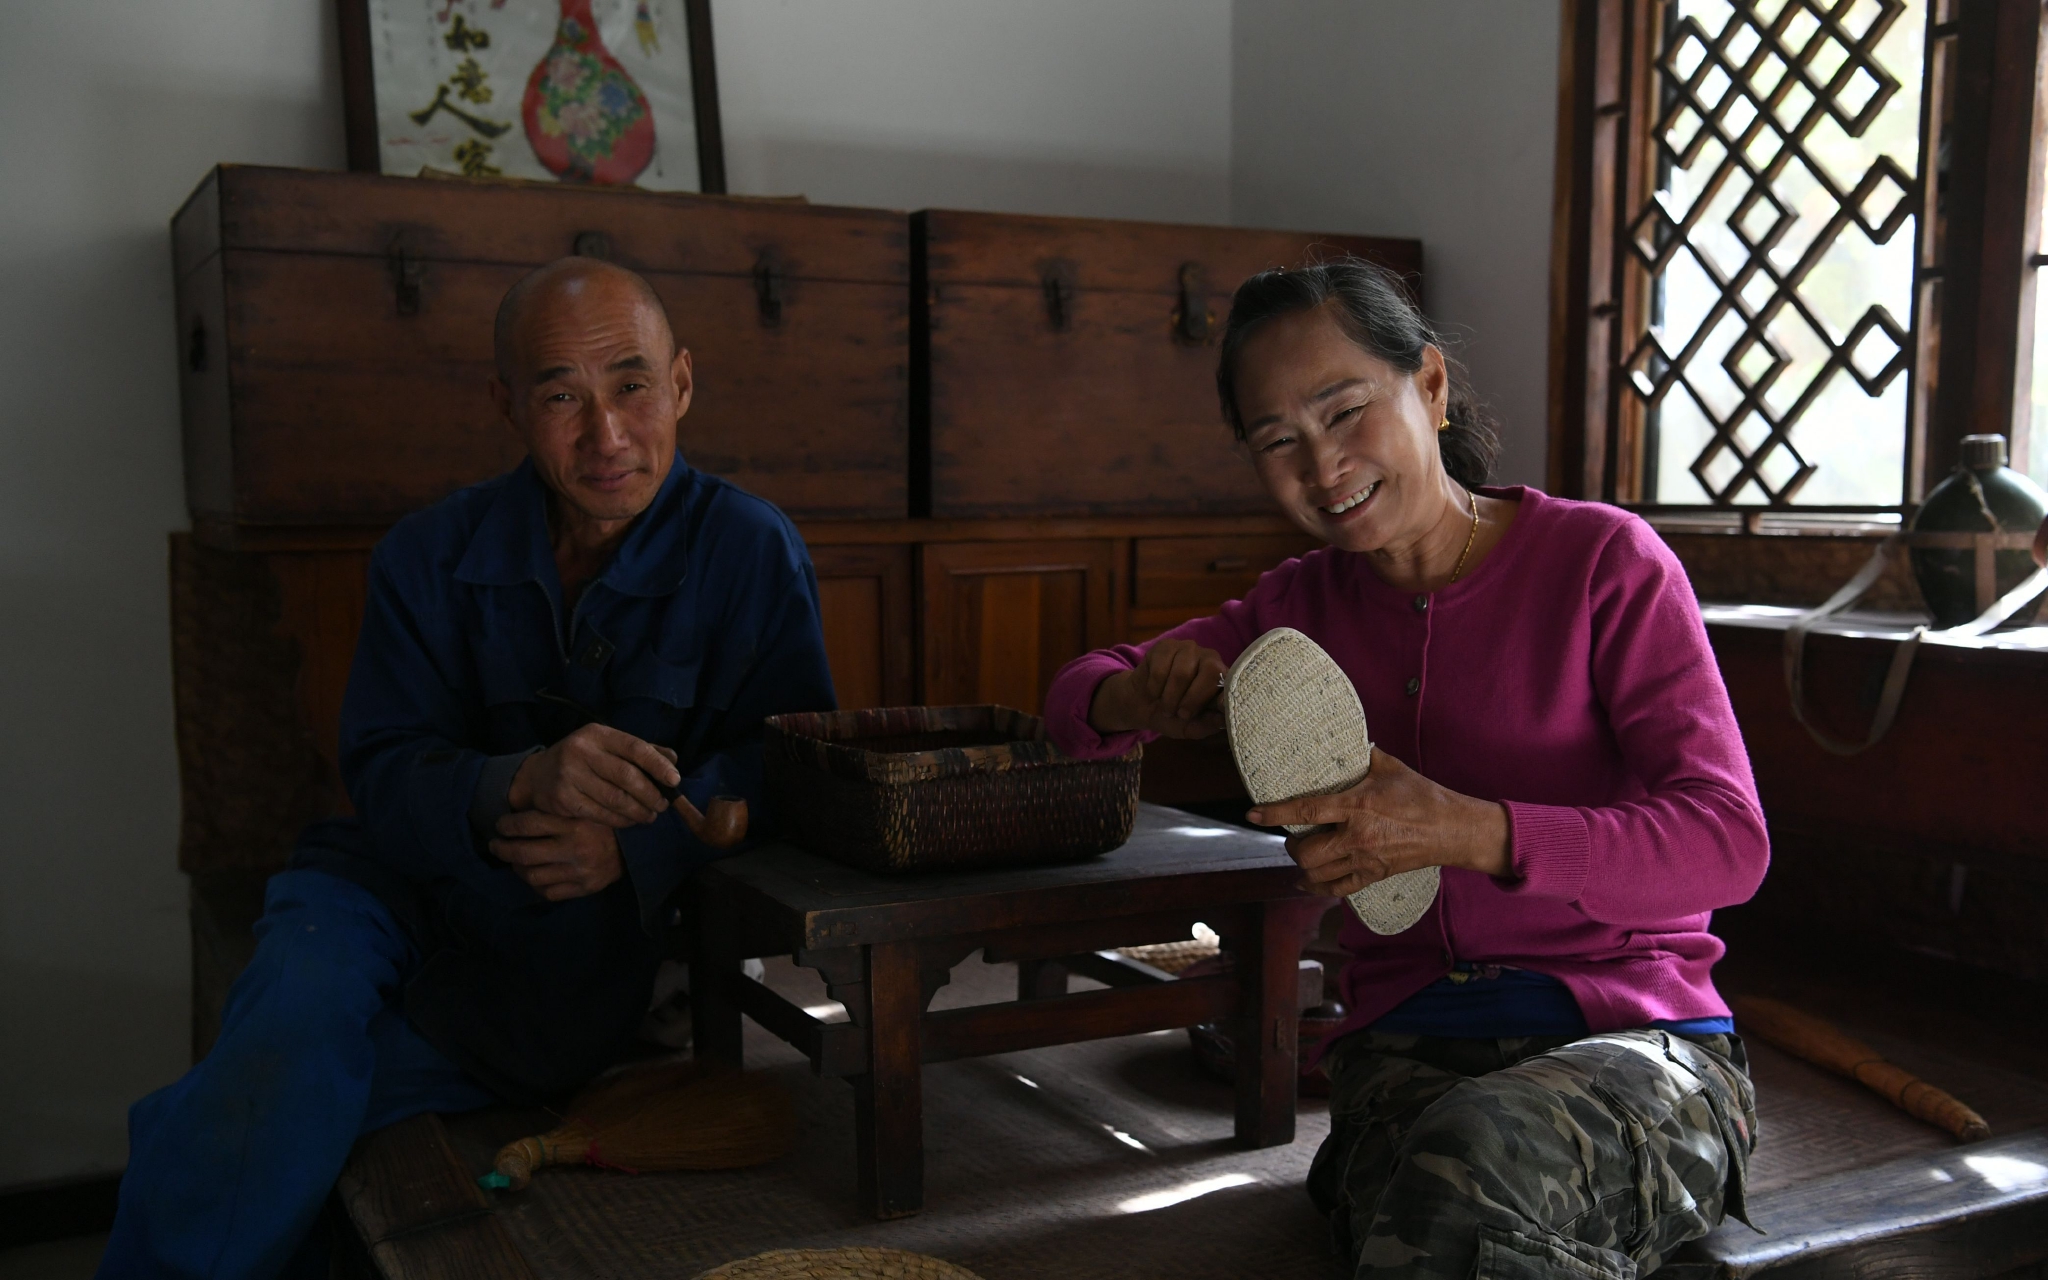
x,y
933,788
838,1264
1172,957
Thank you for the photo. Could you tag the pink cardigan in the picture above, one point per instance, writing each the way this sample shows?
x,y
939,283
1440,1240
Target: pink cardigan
x,y
1569,677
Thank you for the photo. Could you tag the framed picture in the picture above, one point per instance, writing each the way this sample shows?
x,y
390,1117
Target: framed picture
x,y
611,92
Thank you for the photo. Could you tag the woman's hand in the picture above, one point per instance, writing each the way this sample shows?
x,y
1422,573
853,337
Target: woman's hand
x,y
1172,691
1394,820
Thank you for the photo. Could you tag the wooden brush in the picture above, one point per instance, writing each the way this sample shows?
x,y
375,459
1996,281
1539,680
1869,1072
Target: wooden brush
x,y
688,1115
1825,1045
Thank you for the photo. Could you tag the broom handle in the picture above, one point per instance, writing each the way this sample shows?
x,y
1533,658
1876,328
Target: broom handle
x,y
517,1161
1820,1042
1917,1098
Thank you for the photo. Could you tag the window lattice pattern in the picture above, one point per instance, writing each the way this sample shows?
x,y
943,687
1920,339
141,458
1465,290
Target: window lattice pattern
x,y
1771,206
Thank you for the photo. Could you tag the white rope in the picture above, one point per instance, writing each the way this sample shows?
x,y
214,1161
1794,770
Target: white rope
x,y
1895,676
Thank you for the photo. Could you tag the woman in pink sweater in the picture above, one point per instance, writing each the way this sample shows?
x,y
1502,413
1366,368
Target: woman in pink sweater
x,y
1537,1078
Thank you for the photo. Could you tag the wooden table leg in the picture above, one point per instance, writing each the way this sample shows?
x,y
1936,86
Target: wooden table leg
x,y
1040,979
889,1098
714,969
1268,1036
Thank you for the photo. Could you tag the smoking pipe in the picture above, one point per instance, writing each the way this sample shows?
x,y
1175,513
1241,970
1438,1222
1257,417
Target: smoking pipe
x,y
722,827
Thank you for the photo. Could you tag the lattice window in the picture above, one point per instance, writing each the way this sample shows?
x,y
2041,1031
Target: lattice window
x,y
1774,244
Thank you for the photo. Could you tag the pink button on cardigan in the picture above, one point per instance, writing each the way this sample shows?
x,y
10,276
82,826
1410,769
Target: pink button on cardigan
x,y
1568,677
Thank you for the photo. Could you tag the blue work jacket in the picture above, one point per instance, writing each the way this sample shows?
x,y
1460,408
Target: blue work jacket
x,y
704,622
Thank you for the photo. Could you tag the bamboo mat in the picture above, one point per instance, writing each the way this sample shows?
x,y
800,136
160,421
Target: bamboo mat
x,y
1114,1158
1069,1174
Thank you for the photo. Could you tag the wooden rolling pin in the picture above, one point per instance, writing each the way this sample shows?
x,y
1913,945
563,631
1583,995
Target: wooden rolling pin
x,y
1825,1045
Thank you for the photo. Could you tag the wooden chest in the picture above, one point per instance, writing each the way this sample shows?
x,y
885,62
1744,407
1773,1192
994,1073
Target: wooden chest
x,y
1067,366
335,338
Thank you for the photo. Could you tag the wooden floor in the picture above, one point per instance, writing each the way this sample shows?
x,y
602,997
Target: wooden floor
x,y
1107,1159
1845,1184
1114,1159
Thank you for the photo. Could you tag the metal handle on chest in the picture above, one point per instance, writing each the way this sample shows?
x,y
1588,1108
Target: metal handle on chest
x,y
770,279
1192,319
408,274
1057,280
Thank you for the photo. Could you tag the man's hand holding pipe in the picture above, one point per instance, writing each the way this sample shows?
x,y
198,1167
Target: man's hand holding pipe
x,y
596,774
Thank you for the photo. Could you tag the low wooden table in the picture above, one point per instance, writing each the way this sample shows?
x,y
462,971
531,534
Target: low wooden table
x,y
886,944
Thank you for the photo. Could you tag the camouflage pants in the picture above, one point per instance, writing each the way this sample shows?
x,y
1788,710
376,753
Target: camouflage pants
x,y
1531,1159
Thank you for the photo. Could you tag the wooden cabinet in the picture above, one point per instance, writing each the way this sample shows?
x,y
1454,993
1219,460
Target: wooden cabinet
x,y
334,338
1071,362
1044,386
1000,618
914,611
864,597
1175,579
261,643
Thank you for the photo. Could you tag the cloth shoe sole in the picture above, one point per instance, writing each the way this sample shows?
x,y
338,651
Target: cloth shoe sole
x,y
1297,729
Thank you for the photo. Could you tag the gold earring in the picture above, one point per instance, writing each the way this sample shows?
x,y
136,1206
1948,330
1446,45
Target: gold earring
x,y
1445,425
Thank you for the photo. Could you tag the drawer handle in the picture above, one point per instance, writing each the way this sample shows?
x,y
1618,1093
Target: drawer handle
x,y
592,244
1227,564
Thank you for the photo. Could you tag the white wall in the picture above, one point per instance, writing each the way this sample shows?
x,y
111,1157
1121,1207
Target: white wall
x,y
109,114
1434,120
1098,108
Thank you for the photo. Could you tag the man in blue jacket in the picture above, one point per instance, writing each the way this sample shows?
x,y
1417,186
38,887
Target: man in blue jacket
x,y
537,652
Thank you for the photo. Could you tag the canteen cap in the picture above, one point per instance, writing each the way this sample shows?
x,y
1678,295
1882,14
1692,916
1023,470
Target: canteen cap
x,y
1984,453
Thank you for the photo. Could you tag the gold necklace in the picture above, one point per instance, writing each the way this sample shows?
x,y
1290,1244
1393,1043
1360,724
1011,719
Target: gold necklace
x,y
1459,572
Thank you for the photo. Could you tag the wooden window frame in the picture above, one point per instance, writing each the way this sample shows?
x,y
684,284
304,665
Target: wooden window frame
x,y
1977,295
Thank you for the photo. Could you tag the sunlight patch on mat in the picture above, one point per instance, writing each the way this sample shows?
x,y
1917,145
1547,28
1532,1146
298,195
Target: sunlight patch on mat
x,y
2007,1173
1124,1138
1186,1191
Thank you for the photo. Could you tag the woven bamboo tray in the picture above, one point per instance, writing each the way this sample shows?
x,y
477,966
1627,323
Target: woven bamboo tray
x,y
899,789
855,1263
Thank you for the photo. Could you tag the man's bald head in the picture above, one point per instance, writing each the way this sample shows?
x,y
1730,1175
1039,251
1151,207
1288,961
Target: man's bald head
x,y
591,380
564,278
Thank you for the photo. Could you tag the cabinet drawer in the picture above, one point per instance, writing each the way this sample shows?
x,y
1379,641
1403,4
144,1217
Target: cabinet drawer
x,y
1198,574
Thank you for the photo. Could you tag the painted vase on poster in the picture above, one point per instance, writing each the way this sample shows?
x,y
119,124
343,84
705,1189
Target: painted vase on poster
x,y
588,91
585,117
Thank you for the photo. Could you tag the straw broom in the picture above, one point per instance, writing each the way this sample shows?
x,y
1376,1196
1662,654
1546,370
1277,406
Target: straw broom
x,y
1822,1043
688,1115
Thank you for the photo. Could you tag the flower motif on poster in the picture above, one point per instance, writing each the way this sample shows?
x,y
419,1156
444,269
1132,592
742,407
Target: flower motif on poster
x,y
601,101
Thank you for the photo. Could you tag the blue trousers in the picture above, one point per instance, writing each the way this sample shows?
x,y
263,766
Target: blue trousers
x,y
228,1168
